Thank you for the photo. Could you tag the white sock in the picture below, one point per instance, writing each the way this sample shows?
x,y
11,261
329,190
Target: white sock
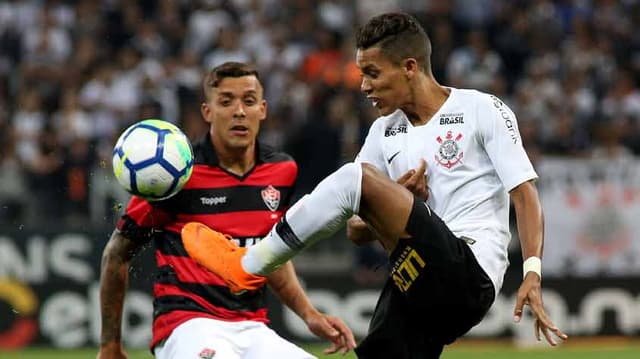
x,y
317,215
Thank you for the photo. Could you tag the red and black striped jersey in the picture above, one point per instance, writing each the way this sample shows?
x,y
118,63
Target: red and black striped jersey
x,y
243,207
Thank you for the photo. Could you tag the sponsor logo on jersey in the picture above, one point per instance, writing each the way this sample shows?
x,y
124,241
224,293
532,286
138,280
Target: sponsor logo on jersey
x,y
213,201
392,157
271,197
407,268
392,131
206,353
449,153
509,121
452,118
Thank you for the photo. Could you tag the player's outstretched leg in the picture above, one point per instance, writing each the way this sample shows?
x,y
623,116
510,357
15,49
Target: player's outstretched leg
x,y
317,215
351,189
217,253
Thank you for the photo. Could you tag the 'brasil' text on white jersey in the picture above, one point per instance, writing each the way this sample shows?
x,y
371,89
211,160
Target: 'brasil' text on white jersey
x,y
474,156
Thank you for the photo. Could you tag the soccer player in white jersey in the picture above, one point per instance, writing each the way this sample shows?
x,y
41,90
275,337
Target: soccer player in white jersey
x,y
447,242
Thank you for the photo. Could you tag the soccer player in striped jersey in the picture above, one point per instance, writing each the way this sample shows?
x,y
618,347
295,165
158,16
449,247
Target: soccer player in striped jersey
x,y
238,186
447,242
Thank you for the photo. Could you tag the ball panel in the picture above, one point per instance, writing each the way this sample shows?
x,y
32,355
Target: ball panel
x,y
185,177
140,145
124,136
117,163
174,153
184,147
159,124
121,172
154,180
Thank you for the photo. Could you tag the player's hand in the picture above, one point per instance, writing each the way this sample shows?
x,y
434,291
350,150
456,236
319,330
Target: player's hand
x,y
112,351
358,231
332,329
530,294
415,180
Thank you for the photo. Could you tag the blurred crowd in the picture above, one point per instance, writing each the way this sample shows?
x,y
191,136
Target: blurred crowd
x,y
74,73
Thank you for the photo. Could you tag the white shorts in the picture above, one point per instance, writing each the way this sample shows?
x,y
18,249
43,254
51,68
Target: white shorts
x,y
204,338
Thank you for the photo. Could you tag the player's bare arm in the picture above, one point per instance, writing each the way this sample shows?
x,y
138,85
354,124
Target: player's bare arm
x,y
113,284
286,286
531,232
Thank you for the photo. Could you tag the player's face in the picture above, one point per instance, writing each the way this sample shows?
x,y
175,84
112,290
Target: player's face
x,y
384,82
234,110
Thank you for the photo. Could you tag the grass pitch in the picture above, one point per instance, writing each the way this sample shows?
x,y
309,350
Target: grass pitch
x,y
618,348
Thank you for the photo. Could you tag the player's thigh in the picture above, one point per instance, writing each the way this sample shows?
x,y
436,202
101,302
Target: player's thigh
x,y
267,344
196,339
385,204
445,289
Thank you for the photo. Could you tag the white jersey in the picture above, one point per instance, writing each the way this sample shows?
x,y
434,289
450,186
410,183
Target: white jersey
x,y
474,156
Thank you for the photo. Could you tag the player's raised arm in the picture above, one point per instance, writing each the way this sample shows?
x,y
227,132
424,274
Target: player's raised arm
x,y
531,232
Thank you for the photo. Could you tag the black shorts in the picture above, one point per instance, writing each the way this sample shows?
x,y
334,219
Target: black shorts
x,y
436,293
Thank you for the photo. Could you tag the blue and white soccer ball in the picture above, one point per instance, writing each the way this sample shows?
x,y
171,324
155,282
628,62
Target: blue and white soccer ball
x,y
152,159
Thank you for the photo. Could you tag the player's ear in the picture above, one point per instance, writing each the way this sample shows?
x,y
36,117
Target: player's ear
x,y
410,66
263,109
205,110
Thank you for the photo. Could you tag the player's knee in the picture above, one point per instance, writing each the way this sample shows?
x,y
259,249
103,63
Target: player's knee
x,y
348,175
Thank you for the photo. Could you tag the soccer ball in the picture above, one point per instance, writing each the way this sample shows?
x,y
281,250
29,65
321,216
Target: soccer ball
x,y
152,159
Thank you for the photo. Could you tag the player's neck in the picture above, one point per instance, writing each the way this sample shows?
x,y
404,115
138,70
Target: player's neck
x,y
238,161
428,98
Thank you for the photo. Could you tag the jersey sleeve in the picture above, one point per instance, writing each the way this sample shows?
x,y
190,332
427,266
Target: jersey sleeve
x,y
502,142
142,219
371,151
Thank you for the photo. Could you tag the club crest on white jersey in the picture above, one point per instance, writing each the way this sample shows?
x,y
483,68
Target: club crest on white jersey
x,y
207,353
449,153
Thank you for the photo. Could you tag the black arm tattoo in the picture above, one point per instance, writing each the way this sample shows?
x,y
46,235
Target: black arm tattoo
x,y
113,284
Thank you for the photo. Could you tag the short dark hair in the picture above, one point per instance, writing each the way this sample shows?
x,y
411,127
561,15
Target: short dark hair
x,y
227,69
399,36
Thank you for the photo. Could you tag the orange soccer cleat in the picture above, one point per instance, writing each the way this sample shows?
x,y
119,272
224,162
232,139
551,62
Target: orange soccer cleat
x,y
214,251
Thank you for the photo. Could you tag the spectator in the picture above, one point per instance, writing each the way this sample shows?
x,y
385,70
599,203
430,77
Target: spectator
x,y
204,25
13,189
560,64
71,121
227,49
45,178
28,122
475,65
